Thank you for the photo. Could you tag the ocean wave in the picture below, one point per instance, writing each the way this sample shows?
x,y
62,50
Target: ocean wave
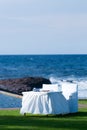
x,y
81,82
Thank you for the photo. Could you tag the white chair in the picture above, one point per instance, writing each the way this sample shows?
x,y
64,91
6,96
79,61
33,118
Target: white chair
x,y
70,91
50,87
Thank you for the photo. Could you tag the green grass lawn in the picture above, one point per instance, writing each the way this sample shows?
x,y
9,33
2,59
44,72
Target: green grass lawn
x,y
83,101
13,120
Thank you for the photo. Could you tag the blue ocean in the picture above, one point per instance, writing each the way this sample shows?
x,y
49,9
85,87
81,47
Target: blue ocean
x,y
69,68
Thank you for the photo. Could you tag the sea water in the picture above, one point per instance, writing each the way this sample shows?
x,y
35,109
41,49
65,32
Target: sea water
x,y
57,68
7,101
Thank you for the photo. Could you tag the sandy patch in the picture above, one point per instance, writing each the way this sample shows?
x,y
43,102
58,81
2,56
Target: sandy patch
x,y
10,94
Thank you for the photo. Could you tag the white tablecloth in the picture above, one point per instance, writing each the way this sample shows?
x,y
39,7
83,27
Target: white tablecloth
x,y
44,103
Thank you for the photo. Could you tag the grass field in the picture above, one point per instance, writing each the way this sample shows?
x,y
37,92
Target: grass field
x,y
13,120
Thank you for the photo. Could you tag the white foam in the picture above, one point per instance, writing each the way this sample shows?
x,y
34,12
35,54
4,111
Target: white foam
x,y
82,85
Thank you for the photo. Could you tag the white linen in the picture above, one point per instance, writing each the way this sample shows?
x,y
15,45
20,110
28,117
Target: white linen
x,y
51,87
70,91
44,103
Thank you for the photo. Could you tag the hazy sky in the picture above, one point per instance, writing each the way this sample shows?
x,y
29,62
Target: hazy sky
x,y
43,26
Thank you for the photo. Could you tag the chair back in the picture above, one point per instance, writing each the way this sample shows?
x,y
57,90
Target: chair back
x,y
51,87
70,92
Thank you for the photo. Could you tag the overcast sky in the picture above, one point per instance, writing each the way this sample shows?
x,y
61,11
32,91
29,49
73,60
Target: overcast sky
x,y
43,26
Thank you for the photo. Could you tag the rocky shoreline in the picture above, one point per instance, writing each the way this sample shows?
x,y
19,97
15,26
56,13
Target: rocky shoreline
x,y
19,85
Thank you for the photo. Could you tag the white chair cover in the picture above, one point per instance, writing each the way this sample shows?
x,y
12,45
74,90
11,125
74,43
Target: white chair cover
x,y
51,87
70,91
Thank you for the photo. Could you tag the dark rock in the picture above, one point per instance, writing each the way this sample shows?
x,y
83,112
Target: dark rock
x,y
22,84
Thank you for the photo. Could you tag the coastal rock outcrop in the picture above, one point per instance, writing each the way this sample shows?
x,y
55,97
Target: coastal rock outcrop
x,y
19,85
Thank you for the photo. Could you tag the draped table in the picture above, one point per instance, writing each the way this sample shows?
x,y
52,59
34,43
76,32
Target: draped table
x,y
45,102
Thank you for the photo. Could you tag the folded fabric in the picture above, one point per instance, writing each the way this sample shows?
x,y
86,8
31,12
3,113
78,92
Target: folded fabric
x,y
44,103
